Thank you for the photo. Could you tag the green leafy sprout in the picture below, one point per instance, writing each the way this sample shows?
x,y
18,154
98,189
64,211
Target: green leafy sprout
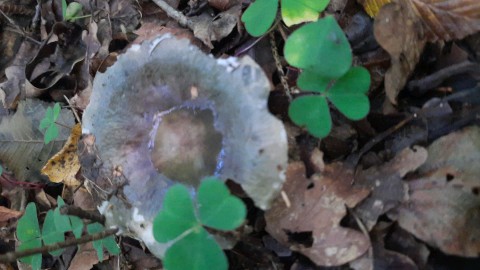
x,y
72,11
322,51
181,223
53,231
48,123
261,14
327,76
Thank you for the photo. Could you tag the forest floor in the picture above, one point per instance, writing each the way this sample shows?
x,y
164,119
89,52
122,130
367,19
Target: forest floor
x,y
397,189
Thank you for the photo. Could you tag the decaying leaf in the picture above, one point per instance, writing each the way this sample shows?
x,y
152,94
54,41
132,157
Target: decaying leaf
x,y
202,115
14,86
67,51
22,147
402,28
388,188
400,33
63,167
7,214
443,208
317,206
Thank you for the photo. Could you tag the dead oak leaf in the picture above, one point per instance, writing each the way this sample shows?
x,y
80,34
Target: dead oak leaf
x,y
372,7
399,32
63,167
443,208
388,188
317,207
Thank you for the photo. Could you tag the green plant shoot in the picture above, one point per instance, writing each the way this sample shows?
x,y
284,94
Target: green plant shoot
x,y
181,222
260,15
53,231
327,76
48,123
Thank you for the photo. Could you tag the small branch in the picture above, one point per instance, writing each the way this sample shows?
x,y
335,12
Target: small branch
x,y
79,212
433,80
174,14
13,256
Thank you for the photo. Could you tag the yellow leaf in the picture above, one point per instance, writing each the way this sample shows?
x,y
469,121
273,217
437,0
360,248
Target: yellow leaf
x,y
63,167
372,7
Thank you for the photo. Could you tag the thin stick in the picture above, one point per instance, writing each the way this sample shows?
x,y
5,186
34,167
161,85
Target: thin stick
x,y
13,256
79,212
73,110
174,14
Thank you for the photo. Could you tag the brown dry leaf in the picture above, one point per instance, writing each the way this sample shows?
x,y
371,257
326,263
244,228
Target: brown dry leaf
x,y
208,28
317,207
447,19
223,4
388,189
63,167
443,208
85,258
372,7
403,27
7,214
399,32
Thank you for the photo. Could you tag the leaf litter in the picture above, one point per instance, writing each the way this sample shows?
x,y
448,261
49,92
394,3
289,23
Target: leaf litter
x,y
410,202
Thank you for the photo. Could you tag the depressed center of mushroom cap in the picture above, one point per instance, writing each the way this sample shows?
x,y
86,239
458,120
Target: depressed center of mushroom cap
x,y
185,144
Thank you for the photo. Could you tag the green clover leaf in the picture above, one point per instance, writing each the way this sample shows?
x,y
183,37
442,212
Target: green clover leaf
x,y
200,248
348,93
177,215
320,47
298,11
178,224
217,208
48,123
108,242
28,232
313,113
65,223
50,234
259,16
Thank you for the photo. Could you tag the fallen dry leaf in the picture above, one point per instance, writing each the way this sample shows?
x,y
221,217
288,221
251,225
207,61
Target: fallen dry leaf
x,y
443,208
317,207
388,188
399,32
85,258
22,147
63,167
7,214
447,19
403,27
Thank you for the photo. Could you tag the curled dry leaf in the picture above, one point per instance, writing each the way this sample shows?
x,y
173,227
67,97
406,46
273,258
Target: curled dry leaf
x,y
42,73
388,188
64,165
317,207
443,208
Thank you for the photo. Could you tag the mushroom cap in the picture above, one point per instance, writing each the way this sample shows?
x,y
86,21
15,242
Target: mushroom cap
x,y
128,108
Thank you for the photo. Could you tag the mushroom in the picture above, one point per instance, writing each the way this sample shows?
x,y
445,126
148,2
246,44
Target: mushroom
x,y
167,113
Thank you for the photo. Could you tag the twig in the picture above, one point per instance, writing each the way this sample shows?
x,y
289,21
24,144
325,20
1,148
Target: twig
x,y
279,66
17,29
13,256
73,110
433,80
355,158
174,14
79,212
